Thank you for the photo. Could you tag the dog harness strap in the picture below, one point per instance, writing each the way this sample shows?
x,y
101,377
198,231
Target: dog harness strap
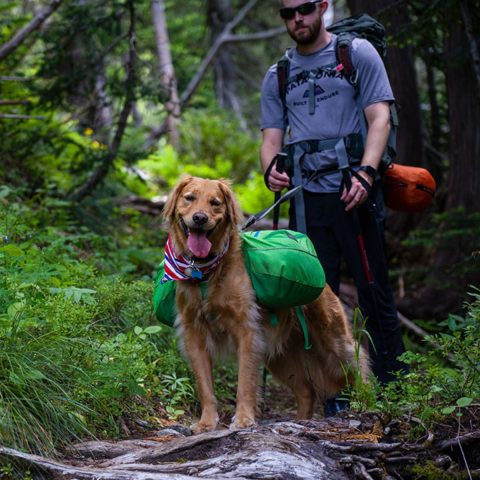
x,y
273,319
303,325
203,290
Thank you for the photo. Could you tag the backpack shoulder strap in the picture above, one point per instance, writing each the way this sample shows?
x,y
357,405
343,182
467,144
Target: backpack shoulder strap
x,y
283,71
343,53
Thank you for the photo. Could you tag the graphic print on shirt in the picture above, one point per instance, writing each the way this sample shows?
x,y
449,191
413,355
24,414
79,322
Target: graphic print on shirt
x,y
319,90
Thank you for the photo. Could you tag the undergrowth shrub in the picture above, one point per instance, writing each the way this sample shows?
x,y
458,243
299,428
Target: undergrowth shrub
x,y
442,381
79,342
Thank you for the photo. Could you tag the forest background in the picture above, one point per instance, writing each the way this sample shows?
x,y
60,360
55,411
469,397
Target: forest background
x,y
104,104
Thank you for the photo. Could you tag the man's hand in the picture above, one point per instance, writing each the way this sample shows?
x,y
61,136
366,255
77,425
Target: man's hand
x,y
357,193
378,120
277,181
272,144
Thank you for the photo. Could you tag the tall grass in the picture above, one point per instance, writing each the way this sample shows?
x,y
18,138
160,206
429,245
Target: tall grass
x,y
38,412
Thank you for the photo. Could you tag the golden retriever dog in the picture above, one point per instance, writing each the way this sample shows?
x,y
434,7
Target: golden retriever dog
x,y
204,217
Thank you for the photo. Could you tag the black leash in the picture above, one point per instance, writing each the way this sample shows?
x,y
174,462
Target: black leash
x,y
286,196
258,216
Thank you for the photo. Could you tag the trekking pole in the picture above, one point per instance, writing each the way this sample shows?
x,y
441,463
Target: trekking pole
x,y
346,172
371,283
280,166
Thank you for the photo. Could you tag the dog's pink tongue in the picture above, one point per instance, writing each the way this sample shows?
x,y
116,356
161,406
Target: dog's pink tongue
x,y
199,244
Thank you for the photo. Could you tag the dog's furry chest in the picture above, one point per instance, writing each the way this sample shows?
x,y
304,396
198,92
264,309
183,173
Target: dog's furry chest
x,y
217,313
216,301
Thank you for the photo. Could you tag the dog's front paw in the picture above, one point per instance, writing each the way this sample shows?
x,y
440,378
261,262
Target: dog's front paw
x,y
204,426
242,422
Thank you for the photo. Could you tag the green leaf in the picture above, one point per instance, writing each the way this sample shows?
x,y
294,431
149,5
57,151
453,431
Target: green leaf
x,y
14,309
448,410
12,250
77,296
464,401
452,324
153,329
138,330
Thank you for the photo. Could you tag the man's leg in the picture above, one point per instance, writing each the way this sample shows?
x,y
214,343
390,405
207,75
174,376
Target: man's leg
x,y
375,298
333,232
317,208
377,302
318,217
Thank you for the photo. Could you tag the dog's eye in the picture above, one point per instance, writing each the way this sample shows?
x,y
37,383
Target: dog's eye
x,y
215,202
189,197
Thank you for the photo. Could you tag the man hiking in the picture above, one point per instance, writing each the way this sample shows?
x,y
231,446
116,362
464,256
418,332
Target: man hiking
x,y
342,214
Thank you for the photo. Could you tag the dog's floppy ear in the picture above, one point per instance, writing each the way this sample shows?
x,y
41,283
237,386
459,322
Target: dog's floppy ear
x,y
169,208
233,208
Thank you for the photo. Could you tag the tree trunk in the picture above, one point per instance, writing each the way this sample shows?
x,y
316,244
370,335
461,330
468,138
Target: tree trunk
x,y
167,72
458,258
219,14
464,118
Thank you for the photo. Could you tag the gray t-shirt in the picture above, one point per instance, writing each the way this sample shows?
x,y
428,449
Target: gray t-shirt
x,y
336,113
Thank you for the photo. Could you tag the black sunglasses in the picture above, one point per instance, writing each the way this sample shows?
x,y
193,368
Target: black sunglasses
x,y
288,13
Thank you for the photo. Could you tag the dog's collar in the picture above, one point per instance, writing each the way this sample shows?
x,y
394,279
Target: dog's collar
x,y
183,267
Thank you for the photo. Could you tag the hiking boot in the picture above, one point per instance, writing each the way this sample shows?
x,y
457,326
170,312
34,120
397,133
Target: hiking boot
x,y
334,405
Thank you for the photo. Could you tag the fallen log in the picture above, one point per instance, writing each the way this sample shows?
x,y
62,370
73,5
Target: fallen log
x,y
338,448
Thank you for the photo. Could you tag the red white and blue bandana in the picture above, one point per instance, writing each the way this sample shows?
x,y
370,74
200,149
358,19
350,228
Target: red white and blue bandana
x,y
182,267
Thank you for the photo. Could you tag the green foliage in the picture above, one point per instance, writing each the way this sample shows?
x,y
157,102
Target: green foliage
x,y
431,388
213,146
429,471
179,391
253,195
79,342
210,137
361,393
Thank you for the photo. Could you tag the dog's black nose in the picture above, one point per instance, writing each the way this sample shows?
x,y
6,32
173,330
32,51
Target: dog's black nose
x,y
200,218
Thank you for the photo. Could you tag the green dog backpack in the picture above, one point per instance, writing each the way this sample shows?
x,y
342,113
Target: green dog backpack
x,y
283,268
164,303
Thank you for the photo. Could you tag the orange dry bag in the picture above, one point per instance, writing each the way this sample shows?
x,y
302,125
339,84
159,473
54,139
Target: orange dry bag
x,y
408,189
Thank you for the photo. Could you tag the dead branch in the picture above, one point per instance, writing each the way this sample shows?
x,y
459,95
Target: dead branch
x,y
363,446
9,47
14,79
14,102
21,117
273,450
466,439
225,37
254,36
361,472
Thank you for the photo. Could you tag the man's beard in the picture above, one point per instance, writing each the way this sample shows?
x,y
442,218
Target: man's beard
x,y
308,36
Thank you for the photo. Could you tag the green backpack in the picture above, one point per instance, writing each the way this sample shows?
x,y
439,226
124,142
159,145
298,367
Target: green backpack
x,y
282,265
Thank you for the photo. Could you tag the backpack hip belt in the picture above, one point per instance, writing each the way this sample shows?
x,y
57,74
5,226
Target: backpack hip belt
x,y
344,148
